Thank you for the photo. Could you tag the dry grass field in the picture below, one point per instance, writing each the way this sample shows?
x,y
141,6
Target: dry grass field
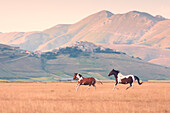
x,y
62,98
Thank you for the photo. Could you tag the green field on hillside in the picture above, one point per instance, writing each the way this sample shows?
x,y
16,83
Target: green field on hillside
x,y
22,67
99,65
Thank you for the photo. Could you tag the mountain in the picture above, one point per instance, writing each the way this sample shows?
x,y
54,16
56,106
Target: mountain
x,y
131,28
125,28
83,57
102,27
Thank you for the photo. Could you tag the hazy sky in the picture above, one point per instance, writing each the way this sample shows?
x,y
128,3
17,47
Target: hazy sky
x,y
37,15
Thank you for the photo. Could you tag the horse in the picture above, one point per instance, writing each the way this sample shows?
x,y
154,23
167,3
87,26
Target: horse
x,y
124,79
85,81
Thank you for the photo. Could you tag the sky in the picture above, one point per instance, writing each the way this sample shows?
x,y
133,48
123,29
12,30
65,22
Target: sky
x,y
38,15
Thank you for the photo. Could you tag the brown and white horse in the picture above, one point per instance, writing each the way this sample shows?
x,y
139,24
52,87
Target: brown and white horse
x,y
124,79
84,81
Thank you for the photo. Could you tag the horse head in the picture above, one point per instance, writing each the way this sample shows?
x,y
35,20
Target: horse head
x,y
113,72
75,76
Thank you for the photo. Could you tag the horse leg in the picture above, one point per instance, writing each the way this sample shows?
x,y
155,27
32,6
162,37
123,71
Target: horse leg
x,y
78,85
129,86
89,86
132,85
94,86
115,86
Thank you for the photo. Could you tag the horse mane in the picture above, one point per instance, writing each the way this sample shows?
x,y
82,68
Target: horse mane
x,y
80,75
116,72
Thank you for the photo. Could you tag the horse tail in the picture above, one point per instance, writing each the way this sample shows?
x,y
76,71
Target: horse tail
x,y
98,81
136,78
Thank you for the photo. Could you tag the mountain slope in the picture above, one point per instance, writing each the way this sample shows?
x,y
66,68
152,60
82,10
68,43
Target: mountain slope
x,y
161,61
98,65
100,28
158,35
120,28
70,36
150,54
17,64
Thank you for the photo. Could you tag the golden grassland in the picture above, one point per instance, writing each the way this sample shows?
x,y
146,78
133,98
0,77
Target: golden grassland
x,y
61,97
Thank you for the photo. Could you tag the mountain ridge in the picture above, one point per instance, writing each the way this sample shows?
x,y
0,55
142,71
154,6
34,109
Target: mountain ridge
x,y
104,27
104,22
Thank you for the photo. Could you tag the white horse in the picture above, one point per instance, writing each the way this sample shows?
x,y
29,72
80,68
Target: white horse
x,y
124,79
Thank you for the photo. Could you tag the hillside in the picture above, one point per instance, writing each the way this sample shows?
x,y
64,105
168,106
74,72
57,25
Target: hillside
x,y
19,64
99,65
83,57
150,54
100,61
158,35
161,61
